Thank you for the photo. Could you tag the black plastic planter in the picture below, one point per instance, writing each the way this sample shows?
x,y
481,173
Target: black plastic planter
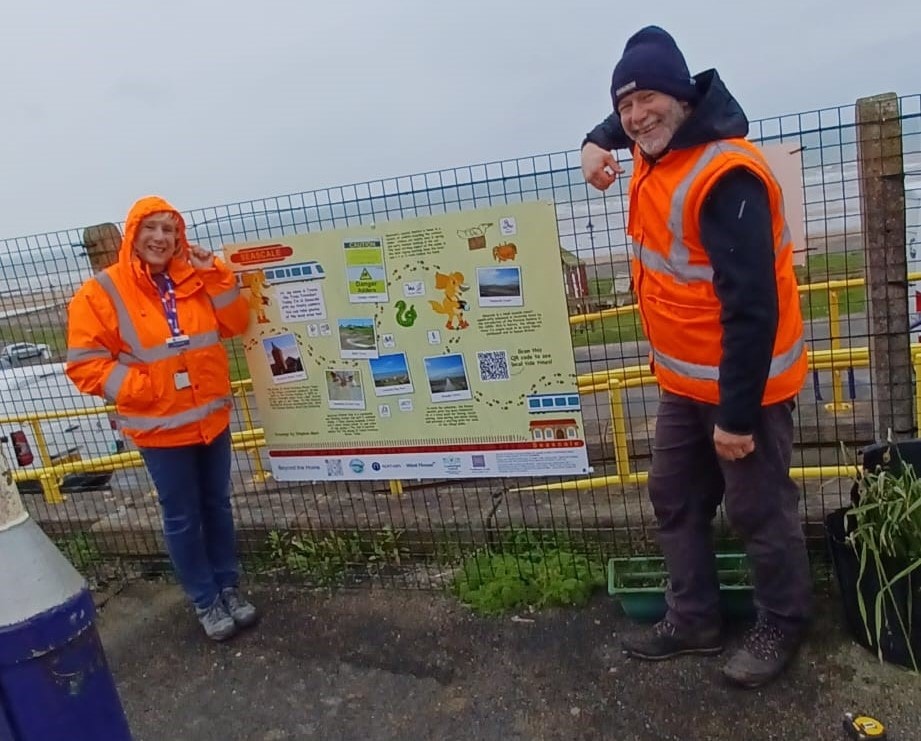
x,y
905,599
906,595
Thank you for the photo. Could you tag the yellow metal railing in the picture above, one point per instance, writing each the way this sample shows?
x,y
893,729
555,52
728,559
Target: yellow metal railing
x,y
614,382
241,390
836,359
620,379
832,288
250,439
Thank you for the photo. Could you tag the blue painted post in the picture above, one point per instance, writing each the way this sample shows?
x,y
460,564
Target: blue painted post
x,y
55,682
815,385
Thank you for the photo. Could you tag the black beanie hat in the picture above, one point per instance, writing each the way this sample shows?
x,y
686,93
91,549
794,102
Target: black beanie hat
x,y
652,61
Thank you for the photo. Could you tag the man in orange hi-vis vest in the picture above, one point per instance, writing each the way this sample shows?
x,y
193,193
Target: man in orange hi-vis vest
x,y
713,274
146,334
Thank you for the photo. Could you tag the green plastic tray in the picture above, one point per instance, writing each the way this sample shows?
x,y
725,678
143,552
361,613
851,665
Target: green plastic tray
x,y
638,583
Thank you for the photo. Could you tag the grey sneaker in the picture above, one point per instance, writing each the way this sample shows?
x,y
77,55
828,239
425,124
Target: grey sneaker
x,y
216,621
241,610
666,640
765,653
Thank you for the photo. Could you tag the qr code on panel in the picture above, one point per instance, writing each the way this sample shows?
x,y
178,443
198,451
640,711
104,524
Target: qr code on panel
x,y
493,365
333,467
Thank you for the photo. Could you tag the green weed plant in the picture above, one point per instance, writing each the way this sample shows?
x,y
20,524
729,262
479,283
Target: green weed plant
x,y
329,560
528,570
80,550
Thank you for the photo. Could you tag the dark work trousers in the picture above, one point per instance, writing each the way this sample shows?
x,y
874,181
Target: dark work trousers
x,y
686,485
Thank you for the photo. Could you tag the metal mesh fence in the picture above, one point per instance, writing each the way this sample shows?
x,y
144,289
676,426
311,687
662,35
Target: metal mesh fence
x,y
106,516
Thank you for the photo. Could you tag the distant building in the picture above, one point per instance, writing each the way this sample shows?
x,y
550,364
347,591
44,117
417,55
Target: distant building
x,y
282,364
278,361
575,282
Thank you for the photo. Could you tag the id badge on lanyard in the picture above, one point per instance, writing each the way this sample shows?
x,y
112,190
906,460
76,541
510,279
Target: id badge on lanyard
x,y
177,339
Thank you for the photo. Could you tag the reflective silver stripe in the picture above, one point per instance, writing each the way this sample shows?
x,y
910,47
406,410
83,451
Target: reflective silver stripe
x,y
779,364
128,332
684,368
125,325
204,339
786,360
128,359
678,263
679,256
196,414
226,298
654,261
115,381
78,354
163,351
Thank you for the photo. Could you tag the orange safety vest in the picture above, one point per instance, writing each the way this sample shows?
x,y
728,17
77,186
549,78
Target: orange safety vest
x,y
117,343
673,276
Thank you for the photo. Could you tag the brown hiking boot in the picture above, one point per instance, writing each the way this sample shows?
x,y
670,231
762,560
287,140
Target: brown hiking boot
x,y
666,640
765,653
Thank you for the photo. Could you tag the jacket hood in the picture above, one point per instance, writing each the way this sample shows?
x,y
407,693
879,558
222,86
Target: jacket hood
x,y
139,211
717,115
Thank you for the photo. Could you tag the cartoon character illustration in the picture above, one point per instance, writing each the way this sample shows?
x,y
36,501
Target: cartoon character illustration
x,y
475,236
255,281
405,317
505,251
453,306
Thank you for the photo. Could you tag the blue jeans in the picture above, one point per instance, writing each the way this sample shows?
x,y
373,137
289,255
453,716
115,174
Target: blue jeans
x,y
193,486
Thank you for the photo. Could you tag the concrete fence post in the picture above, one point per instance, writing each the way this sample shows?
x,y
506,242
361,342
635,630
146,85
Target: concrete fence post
x,y
882,208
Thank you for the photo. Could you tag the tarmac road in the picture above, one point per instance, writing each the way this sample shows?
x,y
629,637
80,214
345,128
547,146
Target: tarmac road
x,y
395,664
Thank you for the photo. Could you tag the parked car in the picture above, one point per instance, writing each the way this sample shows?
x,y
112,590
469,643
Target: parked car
x,y
45,388
21,353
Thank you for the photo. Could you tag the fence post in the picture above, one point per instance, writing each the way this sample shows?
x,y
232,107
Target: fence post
x,y
882,208
101,243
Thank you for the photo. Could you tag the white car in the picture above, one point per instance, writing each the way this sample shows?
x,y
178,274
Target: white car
x,y
45,388
20,353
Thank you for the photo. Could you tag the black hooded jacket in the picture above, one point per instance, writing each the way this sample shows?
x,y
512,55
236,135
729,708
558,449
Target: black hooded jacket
x,y
736,232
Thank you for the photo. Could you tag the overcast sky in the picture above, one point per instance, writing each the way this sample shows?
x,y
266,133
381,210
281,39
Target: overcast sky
x,y
207,102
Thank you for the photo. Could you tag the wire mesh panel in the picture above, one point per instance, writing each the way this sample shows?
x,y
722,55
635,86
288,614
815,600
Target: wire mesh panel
x,y
85,484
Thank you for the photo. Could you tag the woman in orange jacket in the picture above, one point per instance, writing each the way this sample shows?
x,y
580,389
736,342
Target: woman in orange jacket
x,y
146,335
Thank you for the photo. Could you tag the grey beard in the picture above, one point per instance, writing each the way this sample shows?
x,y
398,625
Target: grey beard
x,y
658,151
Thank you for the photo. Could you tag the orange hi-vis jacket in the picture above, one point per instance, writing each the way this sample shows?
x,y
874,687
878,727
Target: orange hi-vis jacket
x,y
165,396
673,276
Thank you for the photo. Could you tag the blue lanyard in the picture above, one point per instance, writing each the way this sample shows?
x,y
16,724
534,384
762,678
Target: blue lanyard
x,y
168,299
